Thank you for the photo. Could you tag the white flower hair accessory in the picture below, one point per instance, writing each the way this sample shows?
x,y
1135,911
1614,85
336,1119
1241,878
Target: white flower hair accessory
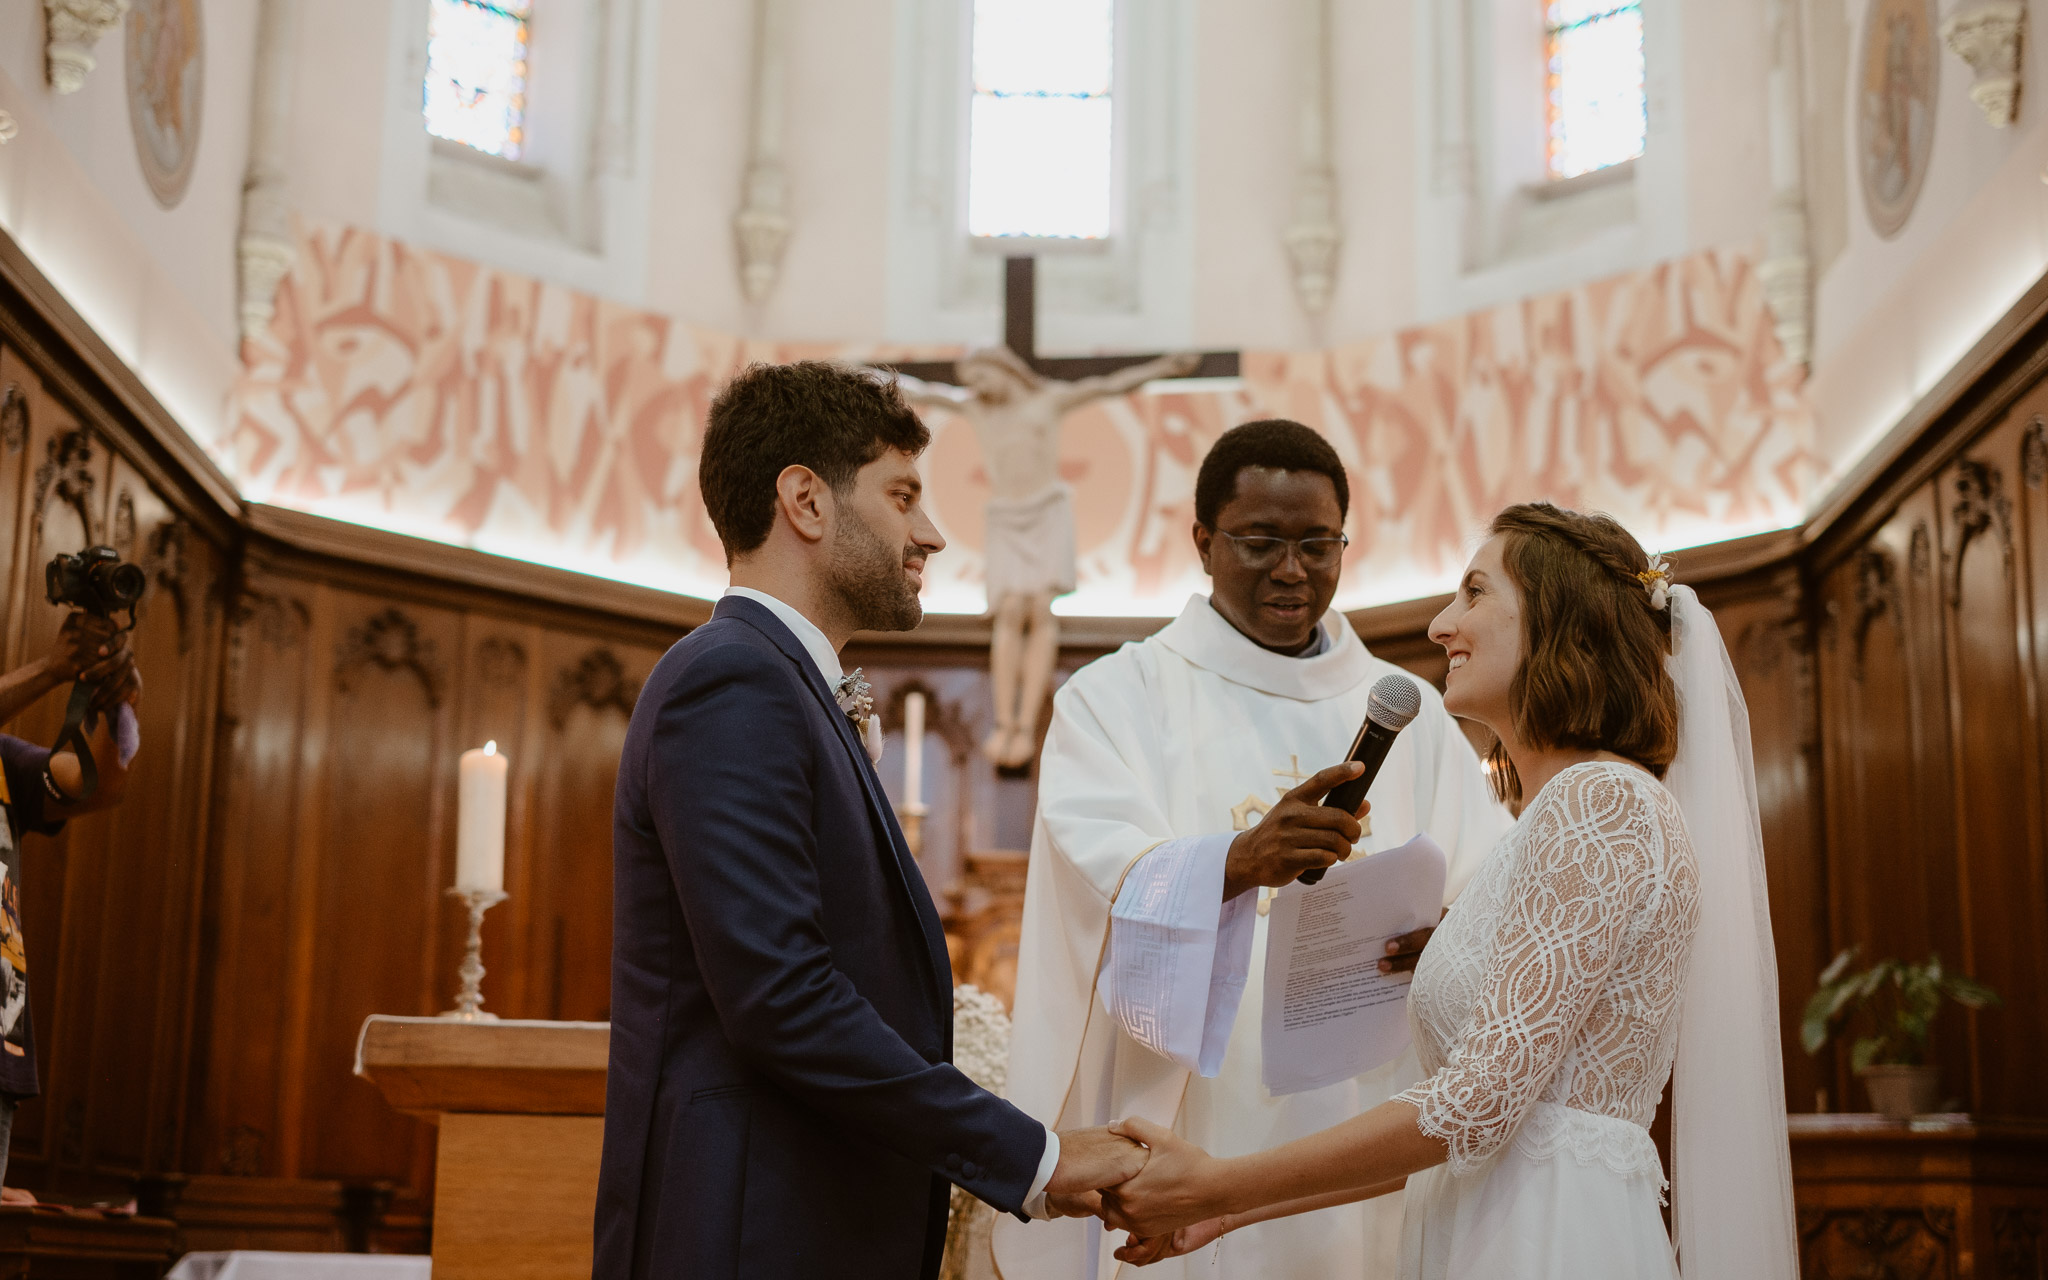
x,y
856,697
1657,581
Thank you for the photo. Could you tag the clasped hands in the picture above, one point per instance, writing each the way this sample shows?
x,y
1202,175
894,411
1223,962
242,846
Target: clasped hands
x,y
1138,1177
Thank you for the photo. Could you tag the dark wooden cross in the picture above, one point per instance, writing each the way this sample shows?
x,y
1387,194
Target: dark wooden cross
x,y
1020,334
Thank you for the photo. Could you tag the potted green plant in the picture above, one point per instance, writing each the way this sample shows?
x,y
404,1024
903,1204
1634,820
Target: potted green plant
x,y
1900,1001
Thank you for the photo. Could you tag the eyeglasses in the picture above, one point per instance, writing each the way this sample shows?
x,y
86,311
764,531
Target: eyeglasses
x,y
1267,553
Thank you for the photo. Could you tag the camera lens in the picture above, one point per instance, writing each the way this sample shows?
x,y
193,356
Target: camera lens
x,y
126,583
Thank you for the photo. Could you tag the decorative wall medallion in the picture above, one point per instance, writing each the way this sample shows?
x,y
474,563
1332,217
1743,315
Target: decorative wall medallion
x,y
2034,453
598,682
1895,92
13,418
1980,505
66,474
166,86
391,640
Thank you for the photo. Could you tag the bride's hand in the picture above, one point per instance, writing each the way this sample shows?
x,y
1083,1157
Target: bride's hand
x,y
1142,1252
1180,1185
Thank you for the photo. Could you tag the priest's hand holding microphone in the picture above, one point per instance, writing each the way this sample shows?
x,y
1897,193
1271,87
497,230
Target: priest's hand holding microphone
x,y
1315,825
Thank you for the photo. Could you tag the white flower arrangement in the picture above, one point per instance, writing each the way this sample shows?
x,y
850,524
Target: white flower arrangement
x,y
981,1050
981,1038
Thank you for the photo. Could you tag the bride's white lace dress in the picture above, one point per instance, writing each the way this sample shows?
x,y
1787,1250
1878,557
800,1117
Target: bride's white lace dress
x,y
1545,1014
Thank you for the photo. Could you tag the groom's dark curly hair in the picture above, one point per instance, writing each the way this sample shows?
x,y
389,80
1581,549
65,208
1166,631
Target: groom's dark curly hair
x,y
833,418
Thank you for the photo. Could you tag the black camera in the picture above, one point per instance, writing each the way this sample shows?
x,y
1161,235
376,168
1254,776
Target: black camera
x,y
96,581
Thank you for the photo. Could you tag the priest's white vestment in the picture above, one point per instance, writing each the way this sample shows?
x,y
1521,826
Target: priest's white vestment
x,y
1170,747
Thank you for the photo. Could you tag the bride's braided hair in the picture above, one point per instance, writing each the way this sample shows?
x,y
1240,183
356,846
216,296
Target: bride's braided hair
x,y
1592,676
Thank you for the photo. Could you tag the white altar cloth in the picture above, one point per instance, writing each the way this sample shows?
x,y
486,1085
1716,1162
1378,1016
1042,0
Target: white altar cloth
x,y
249,1264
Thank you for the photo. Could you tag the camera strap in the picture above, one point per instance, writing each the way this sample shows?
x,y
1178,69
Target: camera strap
x,y
72,735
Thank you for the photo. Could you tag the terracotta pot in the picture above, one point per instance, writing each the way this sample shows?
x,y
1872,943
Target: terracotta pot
x,y
1902,1092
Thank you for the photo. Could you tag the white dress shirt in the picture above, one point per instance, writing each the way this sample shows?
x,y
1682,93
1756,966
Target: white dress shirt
x,y
827,659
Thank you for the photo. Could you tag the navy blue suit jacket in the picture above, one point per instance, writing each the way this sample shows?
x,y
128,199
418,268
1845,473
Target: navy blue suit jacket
x,y
780,1102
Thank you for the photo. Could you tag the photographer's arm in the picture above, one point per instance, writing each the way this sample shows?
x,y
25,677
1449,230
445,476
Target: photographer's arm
x,y
86,648
24,686
106,756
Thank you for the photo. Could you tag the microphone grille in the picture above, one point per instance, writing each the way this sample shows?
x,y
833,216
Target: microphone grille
x,y
1394,702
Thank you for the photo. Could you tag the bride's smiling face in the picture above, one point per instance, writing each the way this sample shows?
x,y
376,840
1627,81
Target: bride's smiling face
x,y
1481,632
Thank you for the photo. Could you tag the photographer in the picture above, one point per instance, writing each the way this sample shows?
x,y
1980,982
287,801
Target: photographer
x,y
40,790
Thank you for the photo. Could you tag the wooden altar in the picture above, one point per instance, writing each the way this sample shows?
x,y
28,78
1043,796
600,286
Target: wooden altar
x,y
520,1106
1943,1197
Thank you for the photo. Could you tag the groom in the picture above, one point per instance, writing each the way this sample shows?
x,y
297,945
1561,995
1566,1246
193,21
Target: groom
x,y
780,1101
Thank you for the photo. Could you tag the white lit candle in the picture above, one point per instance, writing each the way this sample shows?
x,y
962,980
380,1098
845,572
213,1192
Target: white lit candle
x,y
913,748
480,821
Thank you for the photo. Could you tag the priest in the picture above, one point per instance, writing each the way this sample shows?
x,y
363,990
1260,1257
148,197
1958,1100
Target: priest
x,y
1181,782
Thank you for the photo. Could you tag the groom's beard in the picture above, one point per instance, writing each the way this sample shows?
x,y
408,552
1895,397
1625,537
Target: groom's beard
x,y
867,573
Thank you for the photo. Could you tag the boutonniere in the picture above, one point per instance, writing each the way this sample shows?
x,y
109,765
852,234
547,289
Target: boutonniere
x,y
856,697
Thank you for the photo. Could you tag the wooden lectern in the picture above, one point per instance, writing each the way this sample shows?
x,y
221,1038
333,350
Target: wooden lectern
x,y
520,1106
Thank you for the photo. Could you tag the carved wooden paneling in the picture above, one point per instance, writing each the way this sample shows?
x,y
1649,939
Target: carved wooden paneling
x,y
1916,1243
369,846
269,673
1891,835
497,697
591,693
2016,1245
1768,640
22,405
66,503
121,994
1993,717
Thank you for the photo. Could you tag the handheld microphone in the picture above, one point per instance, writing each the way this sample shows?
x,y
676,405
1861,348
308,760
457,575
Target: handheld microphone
x,y
1394,702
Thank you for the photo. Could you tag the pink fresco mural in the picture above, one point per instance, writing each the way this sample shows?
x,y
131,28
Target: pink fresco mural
x,y
424,393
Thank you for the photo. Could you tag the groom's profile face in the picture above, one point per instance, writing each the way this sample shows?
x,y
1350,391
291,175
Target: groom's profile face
x,y
881,537
1278,604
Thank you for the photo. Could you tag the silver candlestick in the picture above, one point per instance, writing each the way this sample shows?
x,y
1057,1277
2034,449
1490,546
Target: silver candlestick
x,y
469,1001
911,818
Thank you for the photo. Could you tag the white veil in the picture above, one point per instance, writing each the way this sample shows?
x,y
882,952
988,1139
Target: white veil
x,y
1731,1176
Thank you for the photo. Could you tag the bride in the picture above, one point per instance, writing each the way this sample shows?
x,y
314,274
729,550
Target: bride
x,y
1618,930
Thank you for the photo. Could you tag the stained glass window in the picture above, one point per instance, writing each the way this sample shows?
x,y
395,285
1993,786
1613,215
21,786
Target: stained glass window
x,y
475,90
1594,84
1039,146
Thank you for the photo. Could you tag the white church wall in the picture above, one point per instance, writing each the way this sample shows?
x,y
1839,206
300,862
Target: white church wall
x,y
1489,228
1894,315
1249,69
157,283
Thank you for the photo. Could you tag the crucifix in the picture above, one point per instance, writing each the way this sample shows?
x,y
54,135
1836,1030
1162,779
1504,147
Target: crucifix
x,y
1015,400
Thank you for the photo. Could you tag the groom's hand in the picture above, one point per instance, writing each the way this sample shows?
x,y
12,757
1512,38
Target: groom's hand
x,y
1298,834
1090,1159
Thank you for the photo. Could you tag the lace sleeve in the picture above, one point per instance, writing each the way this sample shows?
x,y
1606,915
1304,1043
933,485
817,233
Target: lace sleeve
x,y
1590,855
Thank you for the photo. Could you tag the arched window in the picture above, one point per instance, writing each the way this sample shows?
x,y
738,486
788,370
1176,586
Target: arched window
x,y
475,87
1040,129
1597,117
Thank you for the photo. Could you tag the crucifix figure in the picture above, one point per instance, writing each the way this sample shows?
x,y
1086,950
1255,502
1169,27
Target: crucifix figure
x,y
1016,406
